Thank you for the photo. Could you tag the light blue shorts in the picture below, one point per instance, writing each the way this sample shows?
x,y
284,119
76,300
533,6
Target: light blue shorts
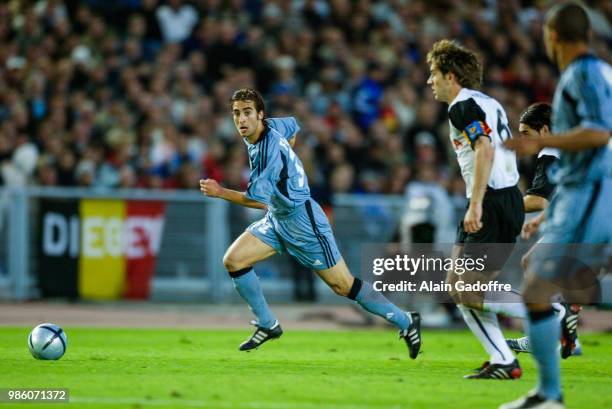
x,y
305,234
577,232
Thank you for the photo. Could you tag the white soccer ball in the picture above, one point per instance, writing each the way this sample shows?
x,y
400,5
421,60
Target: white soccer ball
x,y
47,341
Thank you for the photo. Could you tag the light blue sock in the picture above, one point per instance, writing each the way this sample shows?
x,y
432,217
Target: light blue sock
x,y
544,337
376,303
247,285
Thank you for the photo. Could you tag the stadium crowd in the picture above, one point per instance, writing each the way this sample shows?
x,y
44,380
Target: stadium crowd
x,y
134,93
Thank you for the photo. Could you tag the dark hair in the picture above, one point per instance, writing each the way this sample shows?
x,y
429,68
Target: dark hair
x,y
537,115
249,94
570,21
448,56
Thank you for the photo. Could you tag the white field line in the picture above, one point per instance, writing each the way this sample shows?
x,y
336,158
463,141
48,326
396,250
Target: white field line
x,y
90,400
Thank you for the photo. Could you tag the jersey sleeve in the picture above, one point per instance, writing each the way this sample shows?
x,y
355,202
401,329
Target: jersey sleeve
x,y
469,118
265,171
541,186
593,99
287,127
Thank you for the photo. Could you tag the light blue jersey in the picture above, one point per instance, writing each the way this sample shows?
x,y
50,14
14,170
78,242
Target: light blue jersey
x,y
277,176
584,98
294,223
580,211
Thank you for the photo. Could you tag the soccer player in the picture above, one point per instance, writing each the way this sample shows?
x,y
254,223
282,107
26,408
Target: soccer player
x,y
478,128
579,211
534,122
294,223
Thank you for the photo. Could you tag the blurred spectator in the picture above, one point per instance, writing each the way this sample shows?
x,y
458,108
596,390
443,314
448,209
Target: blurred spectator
x,y
134,93
176,20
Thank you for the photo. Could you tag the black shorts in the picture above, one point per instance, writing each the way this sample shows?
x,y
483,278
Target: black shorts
x,y
503,214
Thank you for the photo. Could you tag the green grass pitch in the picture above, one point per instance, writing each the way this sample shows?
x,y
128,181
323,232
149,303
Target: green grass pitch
x,y
128,368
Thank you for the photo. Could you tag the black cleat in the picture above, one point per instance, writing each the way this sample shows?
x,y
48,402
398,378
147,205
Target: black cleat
x,y
498,371
482,367
533,401
261,335
412,334
569,330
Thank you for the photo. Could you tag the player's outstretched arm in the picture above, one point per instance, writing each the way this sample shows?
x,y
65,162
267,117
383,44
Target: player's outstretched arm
x,y
211,188
576,139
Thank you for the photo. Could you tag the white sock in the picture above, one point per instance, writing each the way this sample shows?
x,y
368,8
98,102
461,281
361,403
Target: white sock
x,y
506,303
559,311
485,327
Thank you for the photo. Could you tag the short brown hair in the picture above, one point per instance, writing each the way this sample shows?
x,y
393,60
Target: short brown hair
x,y
537,115
448,56
249,94
570,21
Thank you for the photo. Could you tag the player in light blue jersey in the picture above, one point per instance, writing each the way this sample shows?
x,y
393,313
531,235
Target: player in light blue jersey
x,y
294,223
579,211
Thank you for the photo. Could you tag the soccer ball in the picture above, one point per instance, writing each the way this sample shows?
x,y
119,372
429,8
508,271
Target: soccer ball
x,y
47,341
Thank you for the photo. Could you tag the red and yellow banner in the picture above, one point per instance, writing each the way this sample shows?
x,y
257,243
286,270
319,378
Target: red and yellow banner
x,y
101,261
113,245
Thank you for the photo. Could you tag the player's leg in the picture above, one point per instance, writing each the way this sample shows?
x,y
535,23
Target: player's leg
x,y
561,311
577,214
257,243
543,331
506,214
239,259
308,237
502,363
567,212
343,283
484,325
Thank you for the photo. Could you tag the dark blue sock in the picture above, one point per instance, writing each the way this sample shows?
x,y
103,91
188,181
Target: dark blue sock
x,y
544,331
376,303
247,285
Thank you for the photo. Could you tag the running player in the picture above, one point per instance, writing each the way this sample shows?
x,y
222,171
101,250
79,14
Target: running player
x,y
478,128
579,211
294,223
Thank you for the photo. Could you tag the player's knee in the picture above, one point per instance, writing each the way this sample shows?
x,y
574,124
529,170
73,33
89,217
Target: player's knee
x,y
232,263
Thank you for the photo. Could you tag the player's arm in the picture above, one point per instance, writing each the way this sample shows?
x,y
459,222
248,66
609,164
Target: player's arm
x,y
593,131
469,118
211,188
534,203
483,162
595,124
576,139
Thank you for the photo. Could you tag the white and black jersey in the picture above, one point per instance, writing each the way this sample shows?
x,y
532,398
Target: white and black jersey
x,y
541,185
473,115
